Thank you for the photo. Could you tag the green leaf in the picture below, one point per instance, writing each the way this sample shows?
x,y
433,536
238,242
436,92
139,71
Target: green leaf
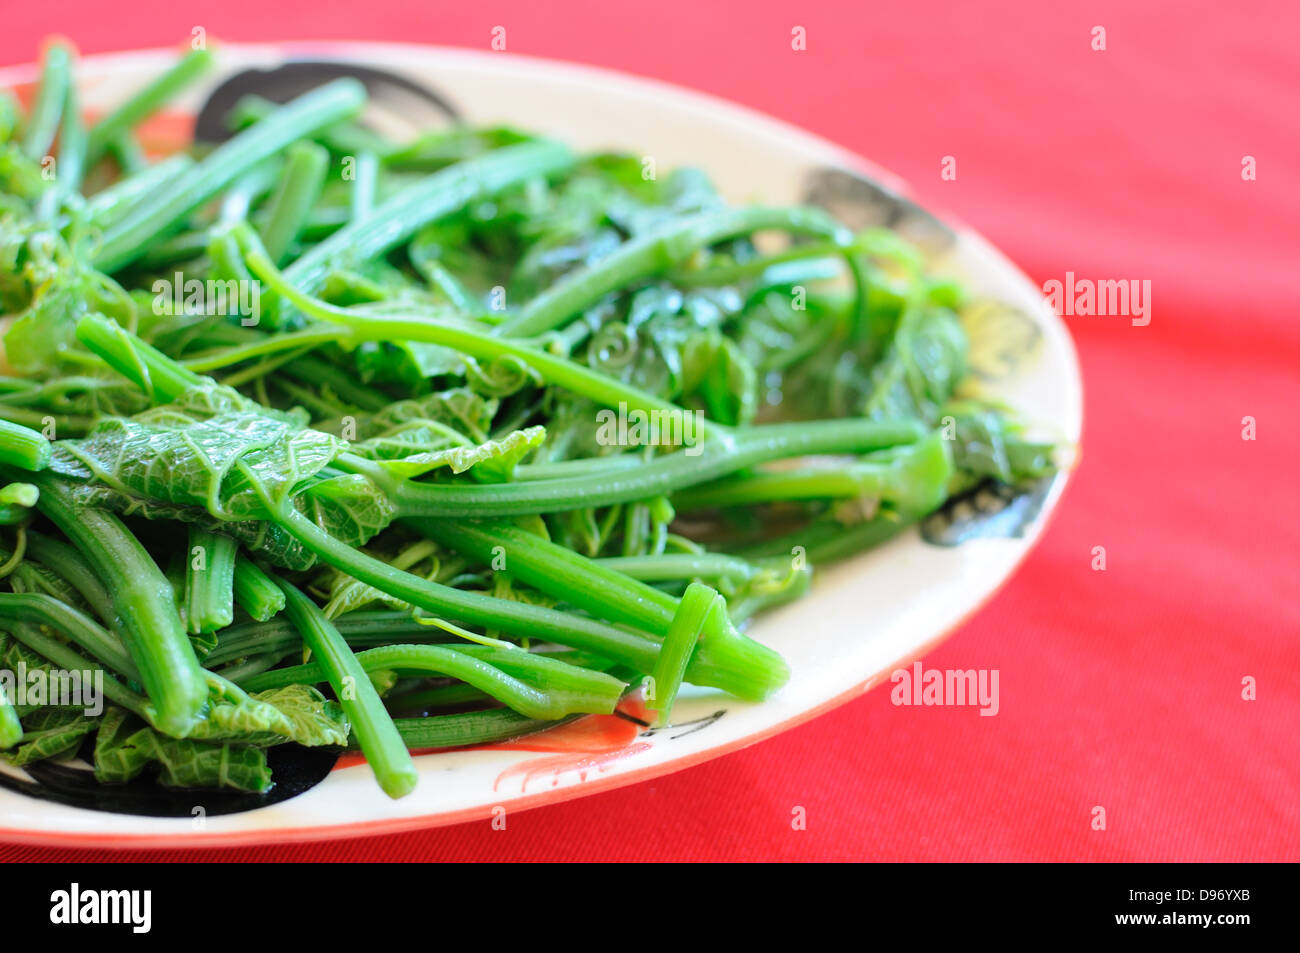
x,y
124,747
119,755
493,461
259,536
191,764
29,576
383,679
229,464
405,363
715,369
226,749
988,444
49,733
921,368
313,719
16,657
460,409
45,282
412,437
20,176
214,458
79,395
294,713
979,446
348,507
348,594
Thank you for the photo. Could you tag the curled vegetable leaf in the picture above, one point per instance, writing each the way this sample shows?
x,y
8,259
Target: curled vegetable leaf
x,y
493,461
460,409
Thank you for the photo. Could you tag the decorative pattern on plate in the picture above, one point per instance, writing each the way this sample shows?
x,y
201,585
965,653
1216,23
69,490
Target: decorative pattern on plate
x,y
1003,338
391,97
698,724
557,765
861,203
296,769
991,510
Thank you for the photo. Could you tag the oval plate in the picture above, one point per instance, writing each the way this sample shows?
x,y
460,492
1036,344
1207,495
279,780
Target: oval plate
x,y
919,587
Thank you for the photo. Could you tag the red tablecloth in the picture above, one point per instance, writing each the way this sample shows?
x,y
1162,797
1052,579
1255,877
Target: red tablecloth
x,y
1120,688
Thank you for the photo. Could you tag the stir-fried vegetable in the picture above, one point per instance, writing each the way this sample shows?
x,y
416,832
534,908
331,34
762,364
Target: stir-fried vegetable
x,y
325,439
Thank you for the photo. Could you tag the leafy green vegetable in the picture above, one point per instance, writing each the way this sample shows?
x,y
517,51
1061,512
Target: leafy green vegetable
x,y
50,733
490,426
124,748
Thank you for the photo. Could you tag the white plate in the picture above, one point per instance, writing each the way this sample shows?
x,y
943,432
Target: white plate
x,y
864,618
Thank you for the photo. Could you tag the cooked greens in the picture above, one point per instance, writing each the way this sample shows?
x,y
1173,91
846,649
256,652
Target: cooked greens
x,y
319,438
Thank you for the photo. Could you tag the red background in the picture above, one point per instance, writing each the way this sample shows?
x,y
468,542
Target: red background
x,y
1119,688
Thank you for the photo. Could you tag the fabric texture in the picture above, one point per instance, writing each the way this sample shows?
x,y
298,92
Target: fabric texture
x,y
1120,688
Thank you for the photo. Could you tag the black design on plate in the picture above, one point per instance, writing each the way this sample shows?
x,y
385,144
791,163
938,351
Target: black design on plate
x,y
699,724
294,768
991,510
393,97
620,713
861,203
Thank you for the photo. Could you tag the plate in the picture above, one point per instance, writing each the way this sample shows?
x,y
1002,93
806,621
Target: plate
x,y
864,619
